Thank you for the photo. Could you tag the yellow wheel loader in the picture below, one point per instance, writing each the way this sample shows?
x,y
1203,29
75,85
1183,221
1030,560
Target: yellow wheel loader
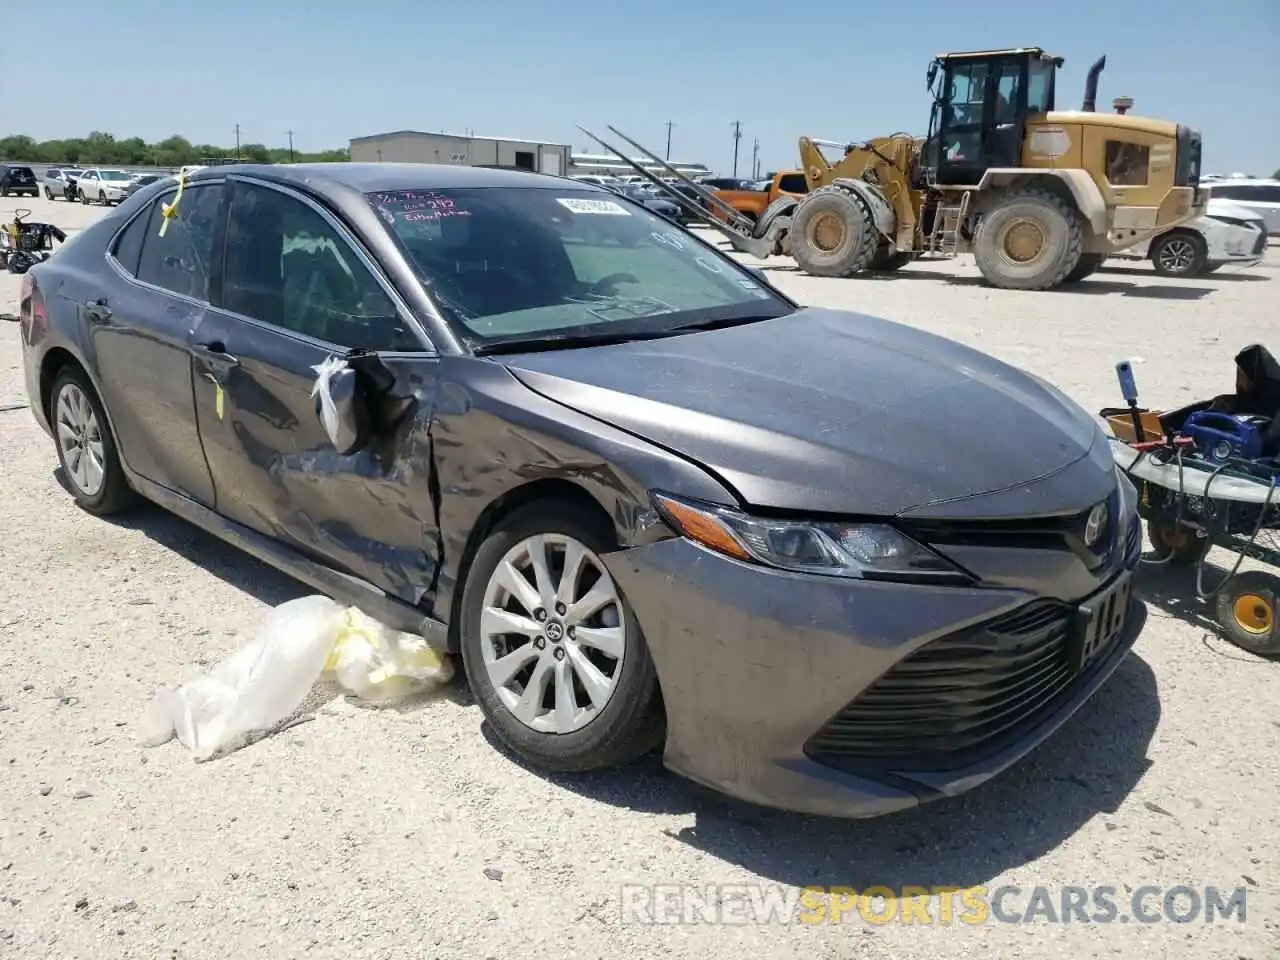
x,y
1038,196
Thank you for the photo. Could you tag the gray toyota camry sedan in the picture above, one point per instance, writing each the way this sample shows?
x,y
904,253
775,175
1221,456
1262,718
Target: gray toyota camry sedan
x,y
824,561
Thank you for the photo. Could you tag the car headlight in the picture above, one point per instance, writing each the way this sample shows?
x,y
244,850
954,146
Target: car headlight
x,y
867,551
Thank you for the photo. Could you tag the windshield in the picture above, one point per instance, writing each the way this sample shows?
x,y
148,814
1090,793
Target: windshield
x,y
116,175
512,263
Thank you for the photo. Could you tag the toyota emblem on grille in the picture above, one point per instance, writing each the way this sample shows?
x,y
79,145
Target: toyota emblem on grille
x,y
1096,525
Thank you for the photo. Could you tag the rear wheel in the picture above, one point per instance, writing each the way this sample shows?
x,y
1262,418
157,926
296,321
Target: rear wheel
x,y
1178,546
1030,241
1179,253
1246,608
832,234
48,194
86,448
887,260
551,648
102,198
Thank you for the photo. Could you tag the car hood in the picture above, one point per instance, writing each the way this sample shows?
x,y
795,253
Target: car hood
x,y
836,412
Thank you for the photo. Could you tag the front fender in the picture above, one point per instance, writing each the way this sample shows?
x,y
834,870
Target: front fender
x,y
492,435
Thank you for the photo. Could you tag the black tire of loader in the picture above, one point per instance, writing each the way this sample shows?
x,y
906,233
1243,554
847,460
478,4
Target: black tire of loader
x,y
1055,215
860,234
1088,265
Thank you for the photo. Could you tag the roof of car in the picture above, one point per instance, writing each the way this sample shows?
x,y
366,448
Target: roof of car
x,y
367,177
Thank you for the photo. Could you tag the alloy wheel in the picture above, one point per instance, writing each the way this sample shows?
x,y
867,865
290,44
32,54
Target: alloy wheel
x,y
553,637
1177,255
80,440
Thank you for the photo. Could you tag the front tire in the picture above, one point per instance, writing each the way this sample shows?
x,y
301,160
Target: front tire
x,y
1180,253
832,234
1031,240
552,650
86,447
48,194
1177,546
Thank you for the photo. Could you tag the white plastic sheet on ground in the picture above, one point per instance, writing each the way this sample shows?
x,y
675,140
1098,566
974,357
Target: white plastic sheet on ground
x,y
263,684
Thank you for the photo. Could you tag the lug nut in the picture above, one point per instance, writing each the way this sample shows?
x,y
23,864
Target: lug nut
x,y
558,652
538,643
560,608
540,615
571,633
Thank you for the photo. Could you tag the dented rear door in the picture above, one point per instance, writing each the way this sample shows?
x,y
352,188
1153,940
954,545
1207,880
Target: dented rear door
x,y
254,356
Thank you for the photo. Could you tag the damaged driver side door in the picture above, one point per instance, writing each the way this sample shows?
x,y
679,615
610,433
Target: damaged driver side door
x,y
296,289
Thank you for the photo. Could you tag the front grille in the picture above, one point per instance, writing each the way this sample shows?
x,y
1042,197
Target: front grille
x,y
957,699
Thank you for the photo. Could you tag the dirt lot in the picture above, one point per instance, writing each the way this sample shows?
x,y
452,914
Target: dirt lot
x,y
404,833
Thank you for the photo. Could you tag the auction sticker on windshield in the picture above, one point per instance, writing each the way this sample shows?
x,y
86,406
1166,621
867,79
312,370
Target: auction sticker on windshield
x,y
579,205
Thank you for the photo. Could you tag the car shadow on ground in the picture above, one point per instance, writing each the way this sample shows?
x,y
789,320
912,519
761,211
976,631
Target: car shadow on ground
x,y
1083,771
1224,273
260,581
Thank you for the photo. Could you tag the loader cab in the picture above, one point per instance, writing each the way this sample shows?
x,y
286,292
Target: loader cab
x,y
981,102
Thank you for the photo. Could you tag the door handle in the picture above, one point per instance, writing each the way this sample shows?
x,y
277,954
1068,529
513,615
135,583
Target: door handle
x,y
98,309
215,354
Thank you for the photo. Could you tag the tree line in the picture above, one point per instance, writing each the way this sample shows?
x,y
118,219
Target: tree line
x,y
103,149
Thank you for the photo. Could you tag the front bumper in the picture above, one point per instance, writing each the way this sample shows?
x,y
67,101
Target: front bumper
x,y
758,667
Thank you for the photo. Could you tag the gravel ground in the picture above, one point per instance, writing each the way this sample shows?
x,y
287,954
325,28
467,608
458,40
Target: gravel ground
x,y
405,833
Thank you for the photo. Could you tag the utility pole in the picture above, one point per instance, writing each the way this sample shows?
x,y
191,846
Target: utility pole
x,y
669,126
737,135
237,143
755,158
291,146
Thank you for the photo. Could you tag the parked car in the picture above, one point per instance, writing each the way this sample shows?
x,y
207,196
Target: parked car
x,y
103,185
646,497
61,182
648,196
1261,195
140,181
1228,233
17,180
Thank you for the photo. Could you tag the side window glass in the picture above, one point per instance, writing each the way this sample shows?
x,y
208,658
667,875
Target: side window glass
x,y
1267,194
1127,163
285,265
1007,89
1038,78
128,248
793,183
179,261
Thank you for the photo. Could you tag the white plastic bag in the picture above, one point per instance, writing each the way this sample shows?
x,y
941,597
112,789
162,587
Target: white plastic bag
x,y
255,689
263,684
379,664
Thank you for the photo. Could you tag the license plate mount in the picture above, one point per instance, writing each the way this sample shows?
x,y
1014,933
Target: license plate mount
x,y
1099,621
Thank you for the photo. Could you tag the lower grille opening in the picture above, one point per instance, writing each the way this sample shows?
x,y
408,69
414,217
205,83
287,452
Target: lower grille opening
x,y
958,699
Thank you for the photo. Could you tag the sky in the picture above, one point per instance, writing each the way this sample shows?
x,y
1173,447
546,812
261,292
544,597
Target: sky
x,y
330,70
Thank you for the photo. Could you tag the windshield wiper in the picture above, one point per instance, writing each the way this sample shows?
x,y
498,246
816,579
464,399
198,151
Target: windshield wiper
x,y
568,341
720,324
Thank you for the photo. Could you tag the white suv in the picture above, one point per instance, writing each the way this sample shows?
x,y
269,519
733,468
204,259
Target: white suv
x,y
1260,195
1229,232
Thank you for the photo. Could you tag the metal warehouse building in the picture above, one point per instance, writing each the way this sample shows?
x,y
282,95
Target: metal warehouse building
x,y
413,146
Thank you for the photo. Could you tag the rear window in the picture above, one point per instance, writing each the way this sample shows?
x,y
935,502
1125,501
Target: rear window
x,y
510,262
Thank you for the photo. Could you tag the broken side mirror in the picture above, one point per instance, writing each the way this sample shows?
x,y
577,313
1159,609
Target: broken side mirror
x,y
341,405
356,400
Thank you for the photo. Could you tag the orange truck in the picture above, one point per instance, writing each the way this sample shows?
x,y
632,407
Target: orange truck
x,y
753,203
